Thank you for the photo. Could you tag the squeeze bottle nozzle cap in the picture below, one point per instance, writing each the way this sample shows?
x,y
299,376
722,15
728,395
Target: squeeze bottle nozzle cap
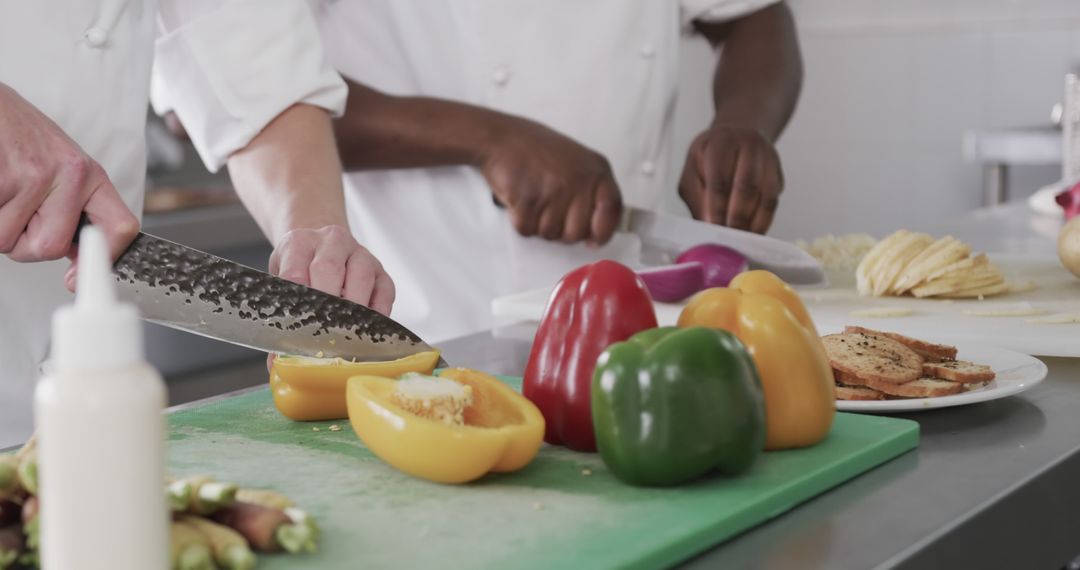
x,y
96,331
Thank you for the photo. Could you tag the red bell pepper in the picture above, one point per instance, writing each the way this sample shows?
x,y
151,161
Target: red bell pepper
x,y
592,307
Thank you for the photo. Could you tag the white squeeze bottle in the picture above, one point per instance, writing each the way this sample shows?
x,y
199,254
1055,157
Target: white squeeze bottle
x,y
101,432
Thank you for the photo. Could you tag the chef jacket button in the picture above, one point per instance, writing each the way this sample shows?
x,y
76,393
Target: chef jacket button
x,y
96,37
648,168
647,50
500,76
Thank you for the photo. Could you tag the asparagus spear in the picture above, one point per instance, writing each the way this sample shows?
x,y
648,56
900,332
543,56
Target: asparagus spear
x,y
206,495
230,548
265,497
28,471
188,548
178,495
268,530
9,476
274,500
12,545
31,522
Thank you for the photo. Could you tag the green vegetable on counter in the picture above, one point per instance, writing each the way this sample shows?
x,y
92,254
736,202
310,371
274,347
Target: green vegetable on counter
x,y
275,500
31,523
178,495
28,472
9,476
189,549
267,520
12,545
205,495
670,405
268,530
230,549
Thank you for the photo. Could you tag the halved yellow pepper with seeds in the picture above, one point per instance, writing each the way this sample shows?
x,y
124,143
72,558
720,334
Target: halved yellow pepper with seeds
x,y
502,430
309,389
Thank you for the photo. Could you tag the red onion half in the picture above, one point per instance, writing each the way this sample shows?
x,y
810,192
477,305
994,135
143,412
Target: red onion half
x,y
673,283
1069,200
721,263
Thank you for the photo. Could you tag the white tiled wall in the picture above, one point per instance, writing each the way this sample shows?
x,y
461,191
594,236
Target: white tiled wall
x,y
890,89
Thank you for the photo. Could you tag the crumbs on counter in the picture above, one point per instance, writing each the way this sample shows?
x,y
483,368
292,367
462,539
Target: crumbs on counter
x,y
883,312
316,428
586,472
335,427
1022,286
1058,319
1011,310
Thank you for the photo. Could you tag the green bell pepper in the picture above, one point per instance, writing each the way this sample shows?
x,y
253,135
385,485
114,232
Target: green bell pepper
x,y
671,404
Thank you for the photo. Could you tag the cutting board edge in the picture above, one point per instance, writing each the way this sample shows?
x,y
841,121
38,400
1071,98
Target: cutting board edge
x,y
715,535
881,453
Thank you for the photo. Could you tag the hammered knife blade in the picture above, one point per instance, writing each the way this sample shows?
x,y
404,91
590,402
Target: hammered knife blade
x,y
197,292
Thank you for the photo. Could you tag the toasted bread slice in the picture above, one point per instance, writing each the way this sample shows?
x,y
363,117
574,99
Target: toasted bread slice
x,y
872,358
930,352
960,371
924,387
860,393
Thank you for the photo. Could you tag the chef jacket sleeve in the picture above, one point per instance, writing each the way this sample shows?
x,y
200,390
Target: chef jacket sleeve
x,y
228,68
718,11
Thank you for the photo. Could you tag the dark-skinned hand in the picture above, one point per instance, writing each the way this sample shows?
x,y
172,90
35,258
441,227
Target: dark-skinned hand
x,y
551,185
733,178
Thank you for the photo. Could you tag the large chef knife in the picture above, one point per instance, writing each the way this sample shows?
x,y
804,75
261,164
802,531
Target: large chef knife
x,y
673,234
193,291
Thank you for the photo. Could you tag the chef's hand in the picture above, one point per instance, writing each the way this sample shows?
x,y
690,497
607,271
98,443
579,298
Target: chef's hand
x,y
551,185
733,178
329,259
46,183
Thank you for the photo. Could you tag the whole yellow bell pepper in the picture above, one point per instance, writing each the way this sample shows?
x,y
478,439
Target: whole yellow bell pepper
x,y
770,319
308,389
502,432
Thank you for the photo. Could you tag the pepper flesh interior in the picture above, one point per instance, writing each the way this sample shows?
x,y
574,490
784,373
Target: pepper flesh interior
x,y
454,399
437,399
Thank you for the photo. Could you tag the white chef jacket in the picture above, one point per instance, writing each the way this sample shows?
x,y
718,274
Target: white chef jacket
x,y
603,72
86,64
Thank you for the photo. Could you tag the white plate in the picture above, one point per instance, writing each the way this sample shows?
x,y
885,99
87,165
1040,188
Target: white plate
x,y
1015,371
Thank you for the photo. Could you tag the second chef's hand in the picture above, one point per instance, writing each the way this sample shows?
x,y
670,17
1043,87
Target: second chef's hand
x,y
330,260
732,178
732,174
289,177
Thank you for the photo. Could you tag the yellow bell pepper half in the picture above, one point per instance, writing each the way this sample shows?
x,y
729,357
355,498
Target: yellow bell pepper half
x,y
502,432
770,319
311,389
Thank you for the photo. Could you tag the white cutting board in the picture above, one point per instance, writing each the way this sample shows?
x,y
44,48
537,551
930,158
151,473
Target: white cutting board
x,y
1058,292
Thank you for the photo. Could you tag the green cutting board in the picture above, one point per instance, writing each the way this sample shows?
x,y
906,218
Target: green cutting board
x,y
565,510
